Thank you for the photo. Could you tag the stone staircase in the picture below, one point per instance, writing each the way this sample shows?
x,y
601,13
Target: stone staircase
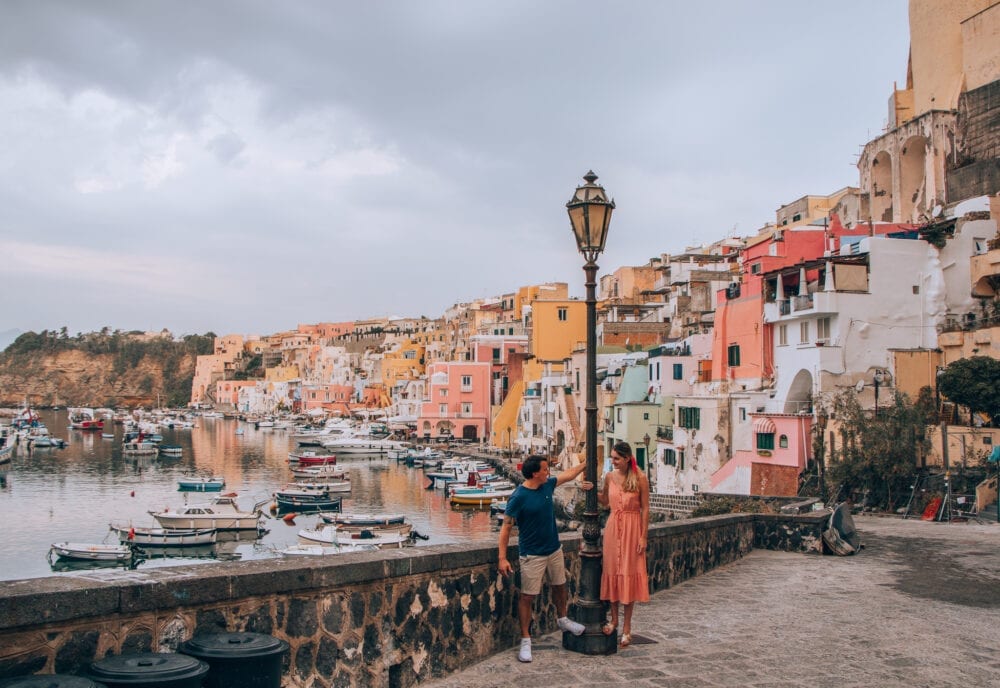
x,y
577,440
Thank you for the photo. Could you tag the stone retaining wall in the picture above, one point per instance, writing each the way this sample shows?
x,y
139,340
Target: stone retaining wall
x,y
390,618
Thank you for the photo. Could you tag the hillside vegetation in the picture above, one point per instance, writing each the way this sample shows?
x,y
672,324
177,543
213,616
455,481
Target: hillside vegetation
x,y
106,368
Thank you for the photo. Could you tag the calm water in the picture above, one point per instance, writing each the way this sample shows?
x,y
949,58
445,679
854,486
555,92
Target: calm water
x,y
71,494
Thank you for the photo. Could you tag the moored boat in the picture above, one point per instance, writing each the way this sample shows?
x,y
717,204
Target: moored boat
x,y
137,448
163,537
332,534
325,550
213,484
364,520
221,513
171,450
84,419
312,458
81,551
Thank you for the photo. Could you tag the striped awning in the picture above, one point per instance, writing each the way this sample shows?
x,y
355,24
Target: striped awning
x,y
764,426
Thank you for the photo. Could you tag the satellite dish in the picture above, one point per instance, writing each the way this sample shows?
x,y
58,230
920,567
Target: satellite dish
x,y
936,212
860,385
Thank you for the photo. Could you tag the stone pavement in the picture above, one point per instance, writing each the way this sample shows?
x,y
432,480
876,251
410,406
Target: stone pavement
x,y
918,606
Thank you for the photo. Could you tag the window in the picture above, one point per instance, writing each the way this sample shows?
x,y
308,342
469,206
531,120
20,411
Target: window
x,y
823,329
783,441
669,457
803,332
680,459
734,355
690,417
618,415
981,245
755,268
496,354
561,314
466,383
796,217
443,392
466,409
678,371
442,409
782,335
765,441
743,414
645,416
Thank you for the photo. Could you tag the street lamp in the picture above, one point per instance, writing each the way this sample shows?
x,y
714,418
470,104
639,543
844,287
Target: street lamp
x,y
878,378
645,440
590,214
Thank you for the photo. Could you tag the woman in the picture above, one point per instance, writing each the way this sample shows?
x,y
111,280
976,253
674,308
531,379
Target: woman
x,y
623,580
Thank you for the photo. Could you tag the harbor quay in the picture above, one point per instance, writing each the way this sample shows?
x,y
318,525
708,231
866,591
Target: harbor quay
x,y
917,606
399,617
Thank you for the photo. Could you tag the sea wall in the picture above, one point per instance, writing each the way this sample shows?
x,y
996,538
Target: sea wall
x,y
389,618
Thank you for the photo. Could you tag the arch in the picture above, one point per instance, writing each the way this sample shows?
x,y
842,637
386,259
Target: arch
x,y
799,398
881,195
470,432
912,178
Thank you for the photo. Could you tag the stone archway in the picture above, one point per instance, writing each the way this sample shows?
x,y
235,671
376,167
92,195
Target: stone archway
x,y
799,397
881,196
913,178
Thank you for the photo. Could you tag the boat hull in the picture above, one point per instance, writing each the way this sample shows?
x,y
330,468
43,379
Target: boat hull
x,y
165,537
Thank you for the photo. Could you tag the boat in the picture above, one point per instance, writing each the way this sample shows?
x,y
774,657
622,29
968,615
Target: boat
x,y
841,536
498,508
163,537
214,484
171,450
331,534
322,472
7,444
307,502
325,550
355,443
107,435
80,551
139,448
222,513
478,496
312,458
359,520
84,419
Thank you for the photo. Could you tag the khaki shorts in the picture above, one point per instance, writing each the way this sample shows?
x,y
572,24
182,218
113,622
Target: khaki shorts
x,y
534,567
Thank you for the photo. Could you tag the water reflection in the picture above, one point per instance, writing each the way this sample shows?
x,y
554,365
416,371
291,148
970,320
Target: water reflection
x,y
56,495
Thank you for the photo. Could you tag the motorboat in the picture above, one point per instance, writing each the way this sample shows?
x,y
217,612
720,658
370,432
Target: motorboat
x,y
84,419
360,444
171,450
312,458
323,472
80,551
478,496
163,537
307,502
325,550
360,520
222,513
214,484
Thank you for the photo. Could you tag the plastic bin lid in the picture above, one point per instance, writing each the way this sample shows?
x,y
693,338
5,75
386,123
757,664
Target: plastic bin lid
x,y
147,666
232,645
50,681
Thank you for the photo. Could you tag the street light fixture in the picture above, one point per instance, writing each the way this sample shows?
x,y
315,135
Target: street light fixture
x,y
590,215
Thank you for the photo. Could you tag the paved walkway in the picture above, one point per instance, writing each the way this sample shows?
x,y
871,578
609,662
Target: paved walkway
x,y
918,606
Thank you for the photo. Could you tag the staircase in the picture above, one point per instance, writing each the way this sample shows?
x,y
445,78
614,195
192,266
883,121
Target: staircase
x,y
986,494
577,441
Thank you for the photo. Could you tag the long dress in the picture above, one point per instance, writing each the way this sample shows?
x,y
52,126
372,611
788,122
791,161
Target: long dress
x,y
623,578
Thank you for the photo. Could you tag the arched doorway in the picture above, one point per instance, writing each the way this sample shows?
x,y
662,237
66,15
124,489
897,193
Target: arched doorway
x,y
470,432
881,198
799,398
912,178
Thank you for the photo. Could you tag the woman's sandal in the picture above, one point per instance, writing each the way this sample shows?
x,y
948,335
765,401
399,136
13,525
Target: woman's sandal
x,y
609,628
626,639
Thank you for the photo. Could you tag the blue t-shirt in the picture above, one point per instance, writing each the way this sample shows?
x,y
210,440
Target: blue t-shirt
x,y
535,515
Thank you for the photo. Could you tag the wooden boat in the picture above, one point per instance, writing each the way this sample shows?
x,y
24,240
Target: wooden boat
x,y
171,450
331,534
214,484
163,537
325,550
359,520
312,458
322,472
478,496
221,513
324,501
81,551
841,536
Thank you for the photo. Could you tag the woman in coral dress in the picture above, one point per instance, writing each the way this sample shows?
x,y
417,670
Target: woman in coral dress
x,y
623,580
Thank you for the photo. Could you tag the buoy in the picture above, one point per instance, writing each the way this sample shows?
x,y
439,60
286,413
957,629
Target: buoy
x,y
289,518
132,493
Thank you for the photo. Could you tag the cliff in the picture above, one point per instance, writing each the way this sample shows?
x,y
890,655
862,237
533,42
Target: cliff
x,y
98,370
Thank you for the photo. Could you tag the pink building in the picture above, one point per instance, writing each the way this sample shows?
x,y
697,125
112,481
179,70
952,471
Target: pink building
x,y
457,401
228,391
323,396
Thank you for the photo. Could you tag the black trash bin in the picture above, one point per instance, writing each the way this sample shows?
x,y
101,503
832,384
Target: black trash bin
x,y
50,681
149,670
239,660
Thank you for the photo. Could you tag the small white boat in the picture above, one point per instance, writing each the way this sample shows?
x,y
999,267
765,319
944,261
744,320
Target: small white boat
x,y
325,550
163,537
221,513
80,551
360,520
324,472
214,484
331,534
172,450
136,448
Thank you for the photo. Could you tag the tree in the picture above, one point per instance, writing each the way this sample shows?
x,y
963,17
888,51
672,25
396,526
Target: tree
x,y
973,382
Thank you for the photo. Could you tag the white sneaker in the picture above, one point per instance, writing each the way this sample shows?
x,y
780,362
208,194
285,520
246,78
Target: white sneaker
x,y
567,624
524,654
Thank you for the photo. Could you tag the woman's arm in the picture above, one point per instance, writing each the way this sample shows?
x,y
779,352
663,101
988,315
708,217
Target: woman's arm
x,y
602,496
643,511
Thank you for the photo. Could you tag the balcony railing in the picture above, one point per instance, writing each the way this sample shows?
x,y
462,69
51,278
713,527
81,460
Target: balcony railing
x,y
665,432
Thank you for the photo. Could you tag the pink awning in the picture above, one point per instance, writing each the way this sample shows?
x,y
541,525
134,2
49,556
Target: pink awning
x,y
764,426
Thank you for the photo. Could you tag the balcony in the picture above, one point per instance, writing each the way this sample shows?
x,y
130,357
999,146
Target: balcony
x,y
665,432
985,269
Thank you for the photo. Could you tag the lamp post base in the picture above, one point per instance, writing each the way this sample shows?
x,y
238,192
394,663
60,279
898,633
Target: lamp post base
x,y
592,641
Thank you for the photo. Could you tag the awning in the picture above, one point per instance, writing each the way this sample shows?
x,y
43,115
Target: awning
x,y
764,426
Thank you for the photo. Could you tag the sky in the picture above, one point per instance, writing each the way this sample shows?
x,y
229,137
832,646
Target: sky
x,y
243,167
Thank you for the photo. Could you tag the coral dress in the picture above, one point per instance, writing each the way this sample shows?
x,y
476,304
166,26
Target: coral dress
x,y
623,578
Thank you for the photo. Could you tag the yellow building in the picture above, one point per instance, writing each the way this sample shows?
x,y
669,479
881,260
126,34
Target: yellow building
x,y
405,363
557,326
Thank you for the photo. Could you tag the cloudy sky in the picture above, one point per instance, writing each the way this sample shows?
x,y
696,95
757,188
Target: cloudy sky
x,y
247,166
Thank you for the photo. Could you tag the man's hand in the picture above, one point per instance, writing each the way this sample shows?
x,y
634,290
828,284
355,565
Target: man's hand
x,y
505,568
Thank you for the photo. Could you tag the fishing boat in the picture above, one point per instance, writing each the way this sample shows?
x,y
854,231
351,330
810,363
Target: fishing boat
x,y
222,513
323,472
84,419
7,444
80,551
478,496
359,520
163,537
213,484
310,502
312,458
331,534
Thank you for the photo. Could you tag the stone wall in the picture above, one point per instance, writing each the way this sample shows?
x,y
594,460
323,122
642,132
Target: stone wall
x,y
389,618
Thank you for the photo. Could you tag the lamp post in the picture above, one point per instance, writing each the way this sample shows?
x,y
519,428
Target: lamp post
x,y
645,441
878,378
590,215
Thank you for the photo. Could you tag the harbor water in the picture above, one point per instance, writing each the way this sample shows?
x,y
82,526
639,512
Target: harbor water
x,y
72,494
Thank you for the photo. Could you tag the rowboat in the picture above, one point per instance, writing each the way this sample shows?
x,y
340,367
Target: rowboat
x,y
359,520
479,497
321,472
80,551
325,550
163,537
201,484
333,535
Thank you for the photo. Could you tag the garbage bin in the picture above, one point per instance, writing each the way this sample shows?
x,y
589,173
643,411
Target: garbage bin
x,y
239,660
149,670
50,681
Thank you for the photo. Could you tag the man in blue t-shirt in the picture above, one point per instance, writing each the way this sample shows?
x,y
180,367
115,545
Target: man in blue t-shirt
x,y
540,552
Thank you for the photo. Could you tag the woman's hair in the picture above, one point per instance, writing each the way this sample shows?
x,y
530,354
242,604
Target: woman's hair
x,y
631,481
531,465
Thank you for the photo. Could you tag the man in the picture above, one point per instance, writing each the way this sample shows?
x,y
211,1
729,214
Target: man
x,y
532,508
